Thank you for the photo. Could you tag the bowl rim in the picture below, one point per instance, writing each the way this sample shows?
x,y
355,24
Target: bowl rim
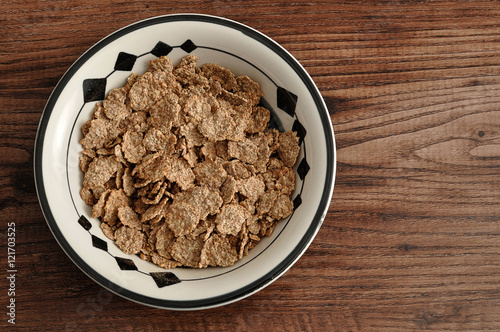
x,y
245,290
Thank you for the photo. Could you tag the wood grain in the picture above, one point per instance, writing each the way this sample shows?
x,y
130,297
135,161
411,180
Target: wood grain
x,y
411,240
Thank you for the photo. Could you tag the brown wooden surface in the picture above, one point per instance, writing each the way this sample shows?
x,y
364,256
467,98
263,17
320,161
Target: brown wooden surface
x,y
412,237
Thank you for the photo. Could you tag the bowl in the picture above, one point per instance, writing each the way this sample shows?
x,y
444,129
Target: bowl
x,y
295,103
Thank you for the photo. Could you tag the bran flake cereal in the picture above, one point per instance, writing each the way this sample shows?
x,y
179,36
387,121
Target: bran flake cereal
x,y
181,167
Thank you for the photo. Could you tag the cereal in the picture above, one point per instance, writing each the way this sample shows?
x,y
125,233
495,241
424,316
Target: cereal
x,y
98,208
178,170
115,200
128,217
129,240
218,251
154,210
155,140
206,201
288,149
210,174
96,134
181,167
114,105
228,189
259,120
147,90
281,208
252,188
245,150
182,218
164,262
231,219
187,251
133,148
100,170
164,240
108,231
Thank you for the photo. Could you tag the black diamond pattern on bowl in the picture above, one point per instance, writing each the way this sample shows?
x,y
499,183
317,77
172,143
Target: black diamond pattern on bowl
x,y
126,264
301,131
303,169
161,49
94,89
286,100
274,123
188,46
84,223
297,201
125,61
99,243
163,279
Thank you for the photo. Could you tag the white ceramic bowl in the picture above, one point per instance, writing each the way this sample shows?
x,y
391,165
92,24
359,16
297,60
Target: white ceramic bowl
x,y
288,90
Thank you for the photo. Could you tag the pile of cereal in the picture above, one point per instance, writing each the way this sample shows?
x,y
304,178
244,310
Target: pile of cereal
x,y
182,168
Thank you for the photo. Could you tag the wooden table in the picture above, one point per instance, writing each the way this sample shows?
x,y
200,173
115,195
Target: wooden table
x,y
412,237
